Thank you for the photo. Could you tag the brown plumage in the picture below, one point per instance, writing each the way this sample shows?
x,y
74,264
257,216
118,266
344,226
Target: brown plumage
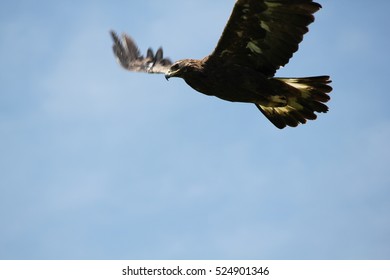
x,y
259,38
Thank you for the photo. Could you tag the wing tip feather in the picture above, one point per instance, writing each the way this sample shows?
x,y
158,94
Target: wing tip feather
x,y
129,56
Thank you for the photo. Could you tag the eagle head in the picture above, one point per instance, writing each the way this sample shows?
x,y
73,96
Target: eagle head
x,y
181,68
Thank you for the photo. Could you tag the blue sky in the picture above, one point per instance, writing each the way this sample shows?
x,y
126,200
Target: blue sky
x,y
100,163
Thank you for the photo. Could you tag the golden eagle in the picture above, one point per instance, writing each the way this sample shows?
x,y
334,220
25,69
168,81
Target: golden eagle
x,y
259,38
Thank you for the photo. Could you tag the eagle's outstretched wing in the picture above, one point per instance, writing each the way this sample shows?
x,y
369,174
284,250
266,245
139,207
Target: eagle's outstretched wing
x,y
130,58
264,34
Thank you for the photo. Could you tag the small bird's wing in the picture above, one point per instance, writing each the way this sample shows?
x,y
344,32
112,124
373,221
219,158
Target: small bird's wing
x,y
129,56
264,34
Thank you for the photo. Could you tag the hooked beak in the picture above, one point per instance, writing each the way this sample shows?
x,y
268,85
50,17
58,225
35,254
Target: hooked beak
x,y
171,74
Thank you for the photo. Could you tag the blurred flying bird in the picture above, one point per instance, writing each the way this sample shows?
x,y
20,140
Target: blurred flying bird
x,y
260,37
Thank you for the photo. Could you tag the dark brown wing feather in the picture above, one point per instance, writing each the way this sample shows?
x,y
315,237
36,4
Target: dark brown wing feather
x,y
130,58
264,34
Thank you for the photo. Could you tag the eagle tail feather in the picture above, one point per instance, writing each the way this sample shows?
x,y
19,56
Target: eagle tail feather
x,y
305,98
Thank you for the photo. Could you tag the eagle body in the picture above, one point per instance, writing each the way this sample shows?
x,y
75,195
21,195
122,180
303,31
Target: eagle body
x,y
260,37
226,80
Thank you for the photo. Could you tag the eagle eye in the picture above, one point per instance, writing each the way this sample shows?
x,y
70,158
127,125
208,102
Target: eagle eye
x,y
175,67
